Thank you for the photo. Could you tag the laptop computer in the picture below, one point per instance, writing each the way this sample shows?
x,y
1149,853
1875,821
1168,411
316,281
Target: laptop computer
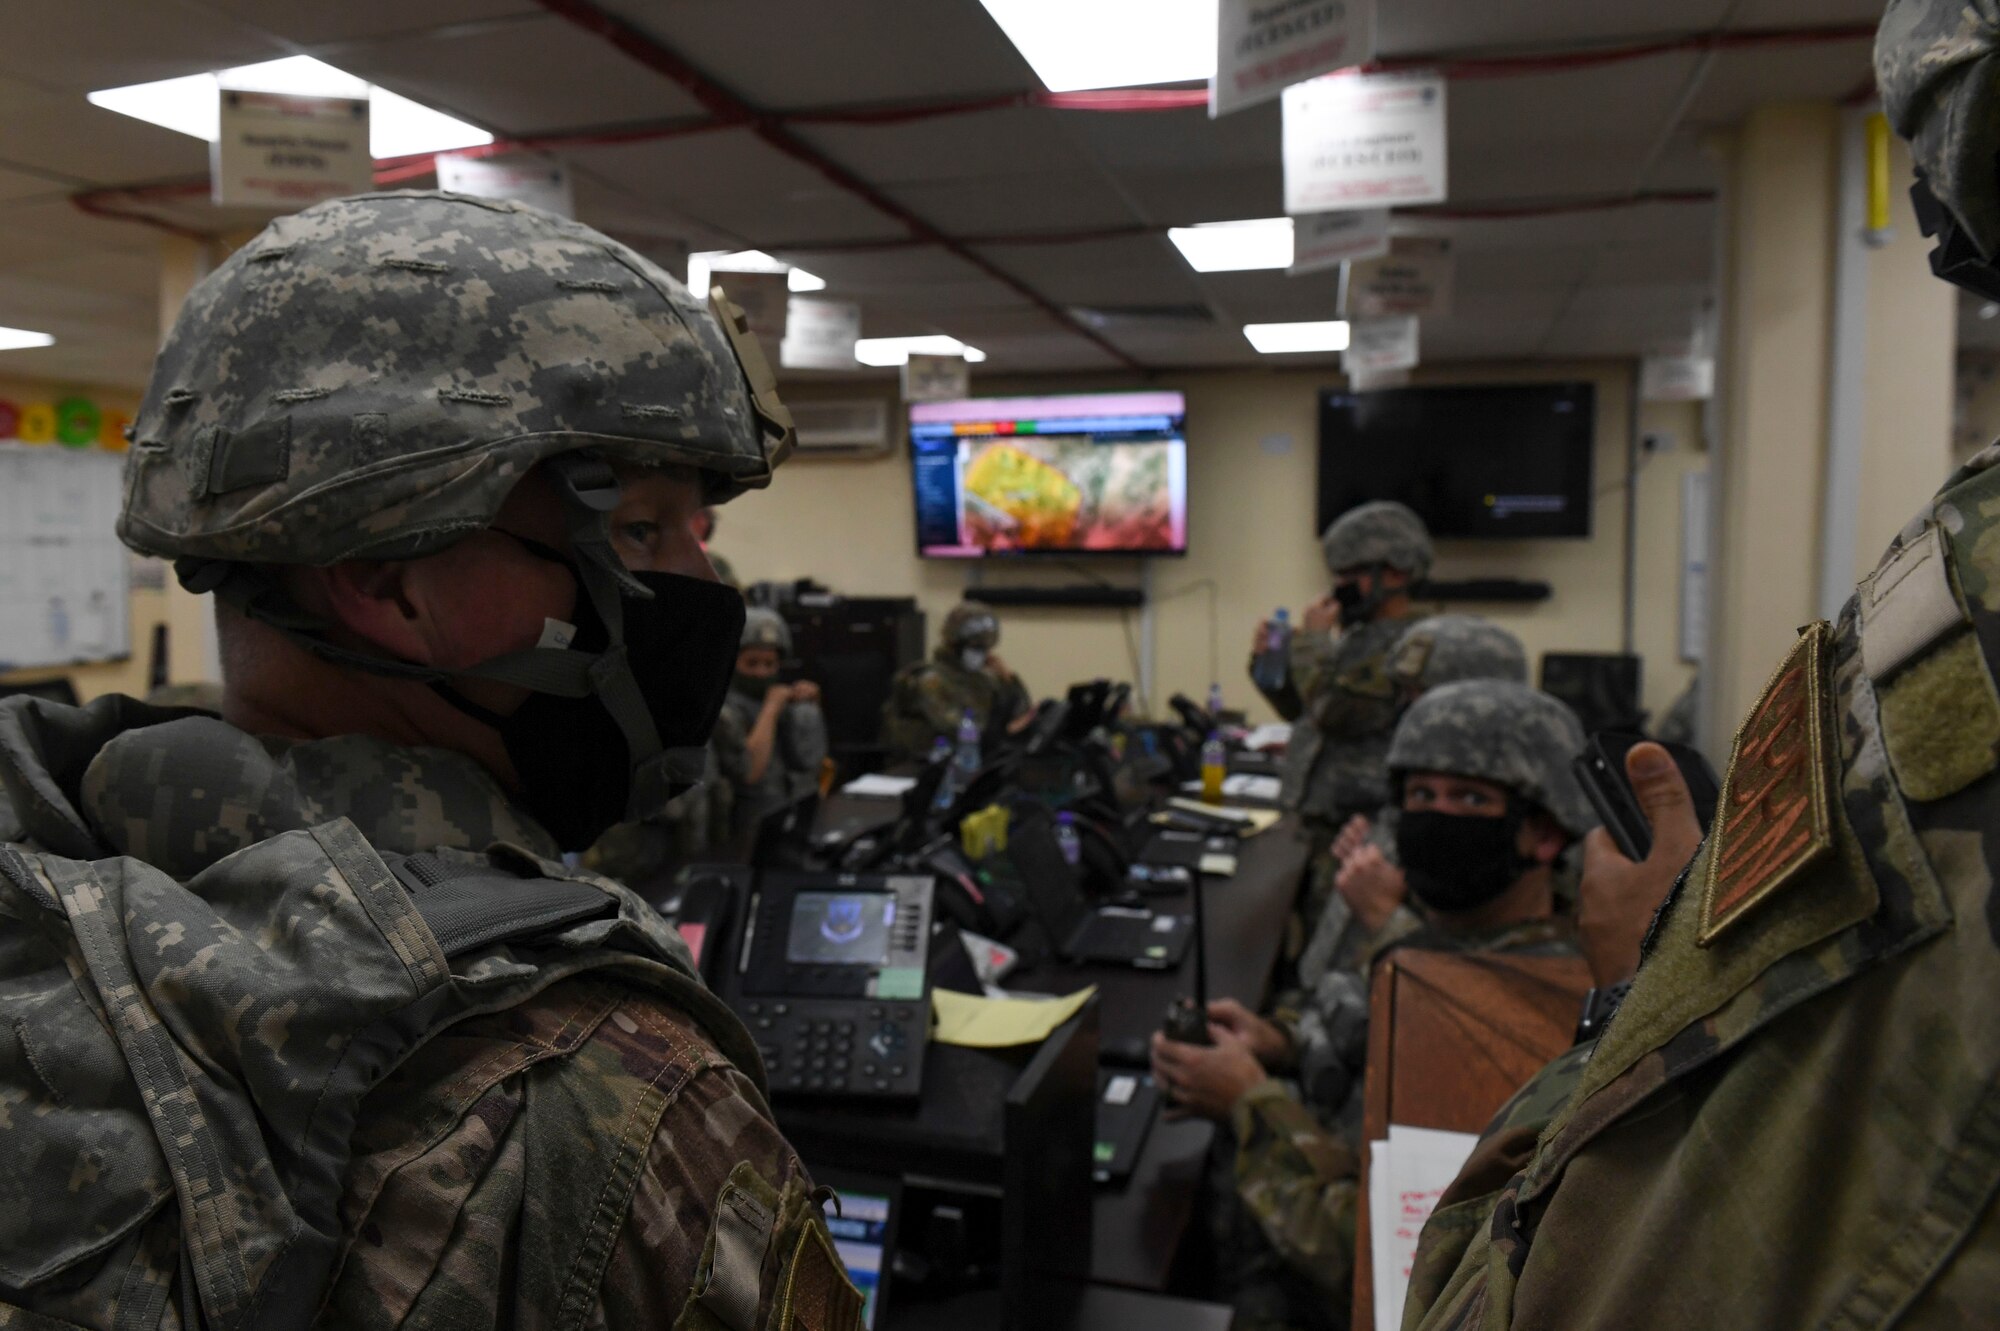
x,y
1127,1103
1127,935
864,1234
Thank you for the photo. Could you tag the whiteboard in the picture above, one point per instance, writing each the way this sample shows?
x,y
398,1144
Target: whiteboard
x,y
64,577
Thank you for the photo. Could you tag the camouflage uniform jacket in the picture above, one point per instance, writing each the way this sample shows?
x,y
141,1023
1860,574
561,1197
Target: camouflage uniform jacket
x,y
1336,764
1297,1161
929,698
244,1085
1794,1119
797,752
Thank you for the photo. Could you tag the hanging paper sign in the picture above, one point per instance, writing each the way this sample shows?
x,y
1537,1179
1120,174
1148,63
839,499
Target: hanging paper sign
x,y
765,299
936,378
1414,277
820,335
1362,381
1322,240
1364,141
1376,346
1676,379
283,152
539,182
1264,46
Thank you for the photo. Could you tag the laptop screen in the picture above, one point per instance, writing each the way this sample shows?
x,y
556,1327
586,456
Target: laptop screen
x,y
861,1237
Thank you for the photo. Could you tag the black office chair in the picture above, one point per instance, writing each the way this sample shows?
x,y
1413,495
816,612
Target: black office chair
x,y
1602,688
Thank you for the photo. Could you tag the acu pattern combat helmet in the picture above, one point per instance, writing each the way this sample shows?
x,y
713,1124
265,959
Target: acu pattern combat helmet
x,y
369,378
1935,62
1443,649
1380,532
971,625
1500,731
764,627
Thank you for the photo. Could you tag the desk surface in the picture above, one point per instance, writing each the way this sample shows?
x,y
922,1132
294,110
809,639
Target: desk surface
x,y
1137,1226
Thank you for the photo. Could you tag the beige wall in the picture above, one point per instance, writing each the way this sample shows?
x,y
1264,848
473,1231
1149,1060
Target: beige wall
x,y
1906,425
1252,443
1778,266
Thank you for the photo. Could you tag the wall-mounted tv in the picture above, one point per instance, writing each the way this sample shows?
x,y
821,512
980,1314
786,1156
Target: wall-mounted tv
x,y
1088,474
1497,461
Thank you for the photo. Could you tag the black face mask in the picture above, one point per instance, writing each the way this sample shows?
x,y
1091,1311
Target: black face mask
x,y
754,686
577,772
1459,862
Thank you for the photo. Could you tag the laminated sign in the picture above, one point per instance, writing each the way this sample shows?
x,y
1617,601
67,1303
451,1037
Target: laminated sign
x,y
285,152
1322,240
936,378
1264,46
535,181
1364,141
820,334
1414,277
1377,346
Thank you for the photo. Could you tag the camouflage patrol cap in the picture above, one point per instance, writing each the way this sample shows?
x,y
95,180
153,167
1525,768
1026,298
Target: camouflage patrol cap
x,y
1445,648
763,627
1501,731
1934,62
372,376
1380,532
971,625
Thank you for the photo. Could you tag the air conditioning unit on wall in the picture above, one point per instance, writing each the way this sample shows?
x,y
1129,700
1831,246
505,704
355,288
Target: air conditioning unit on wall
x,y
852,427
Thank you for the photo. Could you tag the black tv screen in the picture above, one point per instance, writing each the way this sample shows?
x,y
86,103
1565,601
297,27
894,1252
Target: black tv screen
x,y
1501,461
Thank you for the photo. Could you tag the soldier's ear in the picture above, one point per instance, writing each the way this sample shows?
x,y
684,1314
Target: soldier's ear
x,y
371,600
1542,838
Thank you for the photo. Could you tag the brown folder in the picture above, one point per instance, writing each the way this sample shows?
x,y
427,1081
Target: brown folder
x,y
1451,1036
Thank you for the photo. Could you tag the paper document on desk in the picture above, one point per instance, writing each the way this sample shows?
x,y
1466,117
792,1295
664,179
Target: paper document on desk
x,y
1242,786
1270,736
1406,1175
995,1023
879,785
1249,821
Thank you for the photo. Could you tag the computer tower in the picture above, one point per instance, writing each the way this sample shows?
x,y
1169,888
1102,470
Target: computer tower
x,y
1601,688
852,647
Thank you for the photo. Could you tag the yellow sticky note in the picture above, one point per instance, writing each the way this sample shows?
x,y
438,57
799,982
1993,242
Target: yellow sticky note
x,y
995,1023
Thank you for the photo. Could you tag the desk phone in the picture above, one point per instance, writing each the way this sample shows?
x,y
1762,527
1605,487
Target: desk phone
x,y
831,977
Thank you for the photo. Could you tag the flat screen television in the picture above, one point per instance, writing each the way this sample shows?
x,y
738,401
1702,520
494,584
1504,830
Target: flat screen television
x,y
1496,461
1085,474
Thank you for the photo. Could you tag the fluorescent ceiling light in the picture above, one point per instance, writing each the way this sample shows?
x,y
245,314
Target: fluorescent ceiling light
x,y
703,265
1277,339
397,126
1076,44
1227,247
897,350
14,339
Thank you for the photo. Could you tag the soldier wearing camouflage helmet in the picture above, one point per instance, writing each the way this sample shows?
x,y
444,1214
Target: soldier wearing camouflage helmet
x,y
1789,1121
342,1040
1338,694
772,736
1481,770
928,699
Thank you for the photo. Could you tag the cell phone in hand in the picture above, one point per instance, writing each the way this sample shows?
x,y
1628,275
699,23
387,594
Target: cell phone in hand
x,y
1600,770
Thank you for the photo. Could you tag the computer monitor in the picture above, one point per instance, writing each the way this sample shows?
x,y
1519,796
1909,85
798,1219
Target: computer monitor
x,y
1096,473
864,1234
1046,1178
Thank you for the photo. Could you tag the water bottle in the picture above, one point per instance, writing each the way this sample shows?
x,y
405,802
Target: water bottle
x,y
1068,840
1215,701
965,757
1273,664
947,790
1214,766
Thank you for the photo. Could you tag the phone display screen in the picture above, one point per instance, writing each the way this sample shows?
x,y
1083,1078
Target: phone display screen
x,y
840,928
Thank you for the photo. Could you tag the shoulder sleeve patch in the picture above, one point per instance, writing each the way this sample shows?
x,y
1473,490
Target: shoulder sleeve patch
x,y
1774,816
817,1295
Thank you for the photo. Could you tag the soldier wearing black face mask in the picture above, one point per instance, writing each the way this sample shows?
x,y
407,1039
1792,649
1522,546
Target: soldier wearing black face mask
x,y
965,674
1488,806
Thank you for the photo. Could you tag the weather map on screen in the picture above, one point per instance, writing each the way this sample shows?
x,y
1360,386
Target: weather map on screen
x,y
1102,473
